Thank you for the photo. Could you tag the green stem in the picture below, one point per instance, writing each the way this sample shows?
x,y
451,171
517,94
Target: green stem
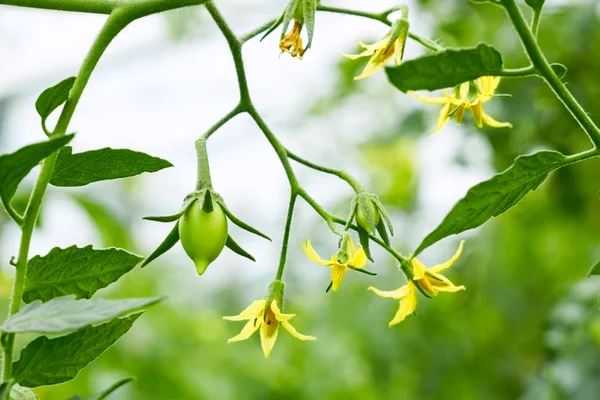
x,y
230,115
332,220
13,214
235,47
519,72
538,59
286,236
114,24
203,180
340,174
535,21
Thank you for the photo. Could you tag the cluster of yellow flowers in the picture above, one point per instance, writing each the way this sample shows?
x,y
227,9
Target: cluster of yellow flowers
x,y
266,315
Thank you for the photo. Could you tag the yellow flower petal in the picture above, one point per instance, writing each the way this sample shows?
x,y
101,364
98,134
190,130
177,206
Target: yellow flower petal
x,y
407,306
250,327
398,51
477,111
489,121
442,118
428,100
392,294
451,99
278,314
313,255
418,269
337,276
268,336
366,53
254,310
441,267
292,331
441,283
359,260
460,113
372,67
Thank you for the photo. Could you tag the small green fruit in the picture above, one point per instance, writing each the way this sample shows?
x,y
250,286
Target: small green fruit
x,y
362,215
203,235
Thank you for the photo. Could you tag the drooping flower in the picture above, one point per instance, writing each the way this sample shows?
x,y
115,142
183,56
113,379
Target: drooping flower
x,y
291,42
391,46
428,281
467,96
267,318
347,258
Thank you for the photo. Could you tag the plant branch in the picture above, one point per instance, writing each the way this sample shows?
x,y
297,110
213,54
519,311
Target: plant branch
x,y
136,8
340,174
13,214
286,236
519,72
537,58
229,116
235,47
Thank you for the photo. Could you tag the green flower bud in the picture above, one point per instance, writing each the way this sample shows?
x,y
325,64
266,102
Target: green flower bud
x,y
367,214
203,234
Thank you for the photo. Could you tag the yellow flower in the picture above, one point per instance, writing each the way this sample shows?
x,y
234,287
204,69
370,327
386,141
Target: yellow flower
x,y
348,258
467,96
292,42
391,46
268,324
428,280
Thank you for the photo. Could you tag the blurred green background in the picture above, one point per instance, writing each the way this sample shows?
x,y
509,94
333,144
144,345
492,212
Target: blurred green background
x,y
528,325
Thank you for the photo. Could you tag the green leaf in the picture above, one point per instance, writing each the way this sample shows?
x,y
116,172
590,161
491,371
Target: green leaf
x,y
495,196
53,97
236,248
595,270
21,393
170,240
67,314
535,4
50,361
75,270
14,167
99,165
445,69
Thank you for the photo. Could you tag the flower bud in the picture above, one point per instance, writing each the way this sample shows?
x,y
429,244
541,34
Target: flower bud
x,y
367,214
203,231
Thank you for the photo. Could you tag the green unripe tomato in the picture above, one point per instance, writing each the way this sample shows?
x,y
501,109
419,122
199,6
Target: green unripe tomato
x,y
203,235
361,215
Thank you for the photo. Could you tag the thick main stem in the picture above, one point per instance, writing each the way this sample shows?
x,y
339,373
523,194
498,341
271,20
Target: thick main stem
x,y
538,59
115,23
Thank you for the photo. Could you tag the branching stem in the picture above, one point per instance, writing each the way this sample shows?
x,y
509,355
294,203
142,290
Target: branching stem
x,y
539,61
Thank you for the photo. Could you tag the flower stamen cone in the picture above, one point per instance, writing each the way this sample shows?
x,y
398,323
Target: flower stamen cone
x,y
391,46
267,318
349,257
467,96
428,281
